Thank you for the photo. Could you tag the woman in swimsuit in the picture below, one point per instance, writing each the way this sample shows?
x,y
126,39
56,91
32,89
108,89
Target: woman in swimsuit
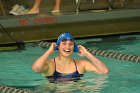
x,y
64,67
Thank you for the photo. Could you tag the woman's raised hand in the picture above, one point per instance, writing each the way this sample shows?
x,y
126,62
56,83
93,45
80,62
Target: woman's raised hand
x,y
52,48
82,50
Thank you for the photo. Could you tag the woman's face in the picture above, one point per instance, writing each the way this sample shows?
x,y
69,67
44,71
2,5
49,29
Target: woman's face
x,y
66,47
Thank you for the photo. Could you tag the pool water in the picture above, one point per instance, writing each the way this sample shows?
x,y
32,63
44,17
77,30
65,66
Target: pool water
x,y
123,77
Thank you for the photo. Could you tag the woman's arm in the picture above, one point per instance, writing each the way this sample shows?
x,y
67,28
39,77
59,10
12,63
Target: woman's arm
x,y
95,64
41,64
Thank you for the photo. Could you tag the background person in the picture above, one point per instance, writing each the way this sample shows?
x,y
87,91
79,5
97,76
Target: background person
x,y
36,7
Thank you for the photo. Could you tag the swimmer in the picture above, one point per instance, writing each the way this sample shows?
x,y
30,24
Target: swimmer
x,y
64,67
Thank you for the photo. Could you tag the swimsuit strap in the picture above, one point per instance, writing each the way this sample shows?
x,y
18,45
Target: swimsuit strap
x,y
75,65
55,64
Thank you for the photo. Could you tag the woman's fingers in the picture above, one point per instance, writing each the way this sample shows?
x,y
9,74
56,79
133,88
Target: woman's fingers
x,y
82,50
54,45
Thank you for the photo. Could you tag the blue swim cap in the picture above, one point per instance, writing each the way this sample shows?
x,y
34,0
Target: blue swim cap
x,y
67,36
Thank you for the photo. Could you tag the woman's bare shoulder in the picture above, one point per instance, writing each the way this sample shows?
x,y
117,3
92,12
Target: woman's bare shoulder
x,y
50,61
50,64
81,65
82,62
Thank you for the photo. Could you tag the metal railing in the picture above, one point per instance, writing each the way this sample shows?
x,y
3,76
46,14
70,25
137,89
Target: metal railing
x,y
1,6
110,4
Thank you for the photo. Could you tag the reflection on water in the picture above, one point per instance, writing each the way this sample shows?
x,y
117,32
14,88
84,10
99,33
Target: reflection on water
x,y
86,85
115,42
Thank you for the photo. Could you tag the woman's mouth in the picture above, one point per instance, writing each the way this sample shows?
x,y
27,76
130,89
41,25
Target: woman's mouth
x,y
67,50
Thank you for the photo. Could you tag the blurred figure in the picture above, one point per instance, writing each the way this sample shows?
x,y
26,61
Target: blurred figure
x,y
36,7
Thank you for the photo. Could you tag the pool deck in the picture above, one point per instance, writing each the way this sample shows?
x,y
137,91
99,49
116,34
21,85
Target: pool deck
x,y
47,26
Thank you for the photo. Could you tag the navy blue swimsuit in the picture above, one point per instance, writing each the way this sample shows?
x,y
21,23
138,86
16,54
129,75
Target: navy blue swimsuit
x,y
61,77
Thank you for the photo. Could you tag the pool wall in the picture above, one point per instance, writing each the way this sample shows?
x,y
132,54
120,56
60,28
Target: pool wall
x,y
46,26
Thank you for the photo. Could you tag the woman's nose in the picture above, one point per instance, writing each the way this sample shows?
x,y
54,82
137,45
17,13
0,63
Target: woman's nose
x,y
67,46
